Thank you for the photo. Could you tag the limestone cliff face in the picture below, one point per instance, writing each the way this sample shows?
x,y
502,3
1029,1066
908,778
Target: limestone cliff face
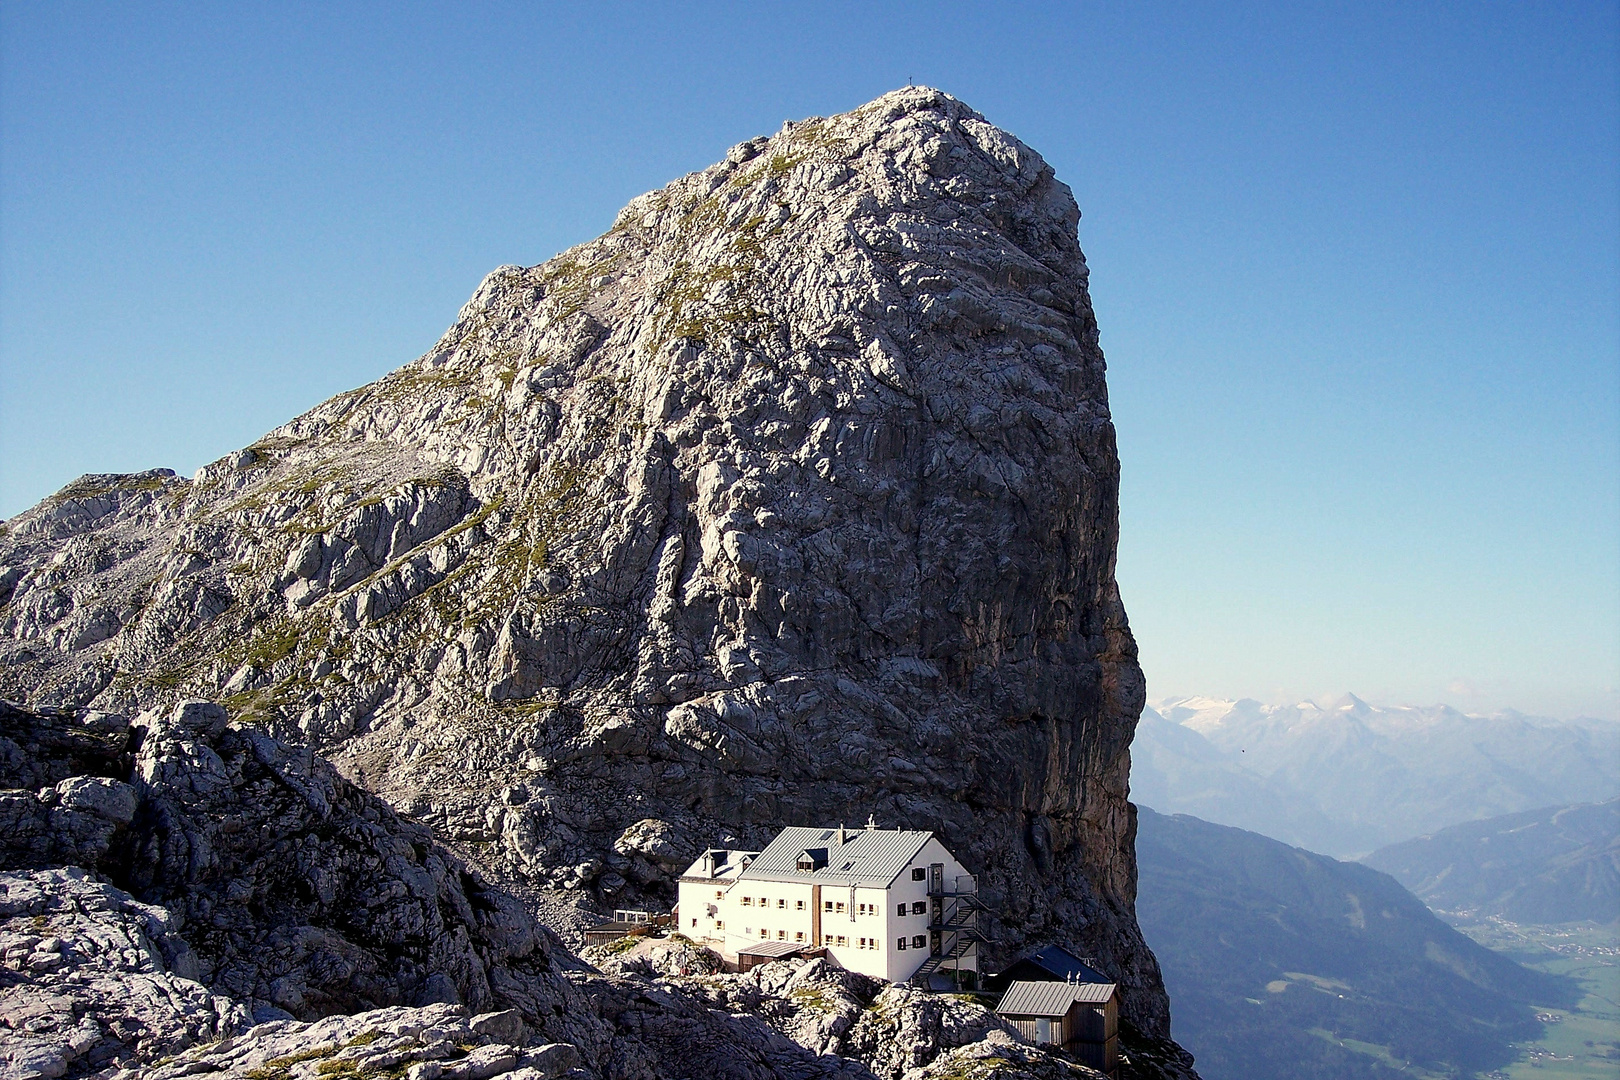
x,y
791,499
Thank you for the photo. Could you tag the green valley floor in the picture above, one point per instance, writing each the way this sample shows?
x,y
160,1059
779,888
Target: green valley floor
x,y
1580,1043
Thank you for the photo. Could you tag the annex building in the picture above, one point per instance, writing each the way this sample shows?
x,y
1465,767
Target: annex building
x,y
890,903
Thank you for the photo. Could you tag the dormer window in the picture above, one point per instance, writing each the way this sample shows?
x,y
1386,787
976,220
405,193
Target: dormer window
x,y
811,859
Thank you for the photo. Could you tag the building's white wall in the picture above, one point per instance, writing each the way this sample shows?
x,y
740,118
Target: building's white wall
x,y
774,911
842,932
903,963
701,907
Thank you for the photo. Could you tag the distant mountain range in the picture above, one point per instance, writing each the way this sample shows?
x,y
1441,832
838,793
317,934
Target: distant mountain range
x,y
1542,866
1349,777
1281,963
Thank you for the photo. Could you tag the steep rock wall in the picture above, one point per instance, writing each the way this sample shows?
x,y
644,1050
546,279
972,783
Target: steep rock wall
x,y
791,499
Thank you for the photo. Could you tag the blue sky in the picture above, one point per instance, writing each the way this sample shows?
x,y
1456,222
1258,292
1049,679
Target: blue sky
x,y
1356,268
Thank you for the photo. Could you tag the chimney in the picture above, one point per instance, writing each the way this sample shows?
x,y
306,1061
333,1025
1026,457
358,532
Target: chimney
x,y
871,821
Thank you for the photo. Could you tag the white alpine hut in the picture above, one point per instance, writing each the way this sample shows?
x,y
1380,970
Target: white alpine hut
x,y
890,903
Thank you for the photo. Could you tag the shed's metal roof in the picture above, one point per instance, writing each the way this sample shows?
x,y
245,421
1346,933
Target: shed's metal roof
x,y
866,857
1051,998
1093,993
772,948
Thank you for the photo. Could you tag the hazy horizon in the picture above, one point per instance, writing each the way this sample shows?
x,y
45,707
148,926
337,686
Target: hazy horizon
x,y
1327,700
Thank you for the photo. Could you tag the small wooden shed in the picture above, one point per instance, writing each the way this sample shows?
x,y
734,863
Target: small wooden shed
x,y
750,956
1079,1018
604,932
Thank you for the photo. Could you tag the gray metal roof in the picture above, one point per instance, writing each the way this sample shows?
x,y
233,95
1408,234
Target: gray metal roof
x,y
1051,998
1093,993
868,857
772,948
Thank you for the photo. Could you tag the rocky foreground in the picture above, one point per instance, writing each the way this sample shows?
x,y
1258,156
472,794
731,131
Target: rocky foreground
x,y
311,933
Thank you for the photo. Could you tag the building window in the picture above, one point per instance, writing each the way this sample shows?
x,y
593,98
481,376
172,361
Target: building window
x,y
694,922
781,935
901,910
799,904
900,944
828,904
764,933
918,873
719,894
840,907
748,901
799,936
719,924
919,908
919,942
842,940
781,903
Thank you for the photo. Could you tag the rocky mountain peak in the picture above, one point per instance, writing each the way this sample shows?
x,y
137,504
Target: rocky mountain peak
x,y
789,500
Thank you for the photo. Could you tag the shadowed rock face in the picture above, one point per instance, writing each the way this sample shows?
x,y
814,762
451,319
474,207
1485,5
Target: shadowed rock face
x,y
792,499
303,894
300,892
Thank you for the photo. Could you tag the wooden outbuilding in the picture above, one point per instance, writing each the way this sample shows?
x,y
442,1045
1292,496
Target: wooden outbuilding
x,y
1081,1019
625,923
751,956
604,933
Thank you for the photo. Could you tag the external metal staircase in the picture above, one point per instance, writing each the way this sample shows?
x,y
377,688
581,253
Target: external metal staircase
x,y
959,948
953,929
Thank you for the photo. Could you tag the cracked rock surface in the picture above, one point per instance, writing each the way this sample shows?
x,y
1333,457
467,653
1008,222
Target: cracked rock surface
x,y
93,980
790,499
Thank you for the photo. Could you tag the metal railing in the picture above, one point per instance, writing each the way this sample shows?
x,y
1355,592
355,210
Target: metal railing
x,y
961,885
